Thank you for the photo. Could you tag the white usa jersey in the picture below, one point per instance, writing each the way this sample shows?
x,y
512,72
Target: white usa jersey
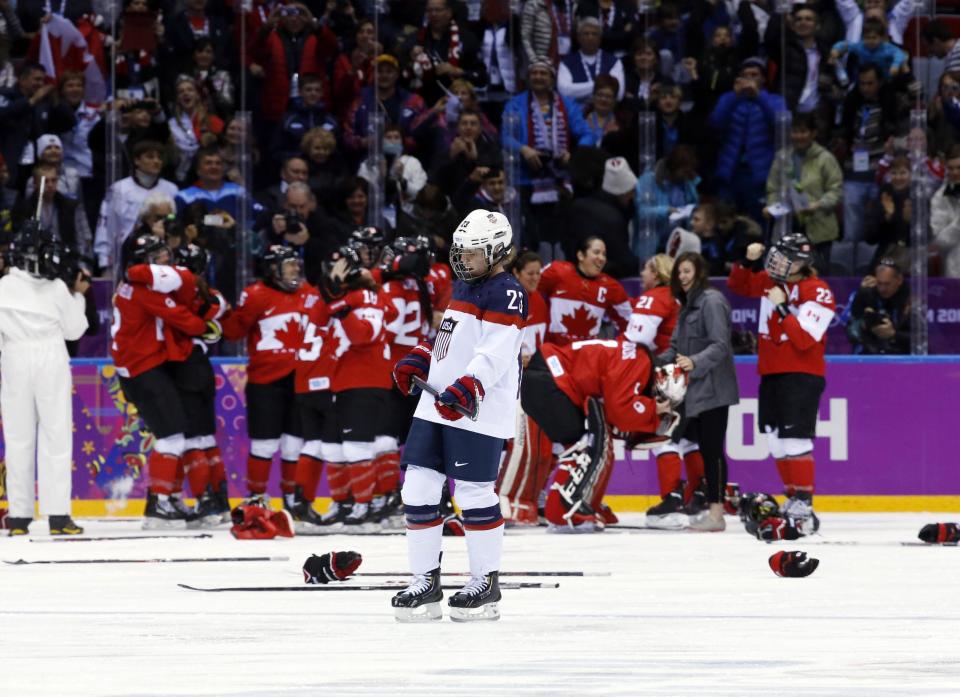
x,y
480,335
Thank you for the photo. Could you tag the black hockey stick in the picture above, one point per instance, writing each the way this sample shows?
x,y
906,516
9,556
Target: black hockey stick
x,y
126,537
385,574
22,562
378,587
459,408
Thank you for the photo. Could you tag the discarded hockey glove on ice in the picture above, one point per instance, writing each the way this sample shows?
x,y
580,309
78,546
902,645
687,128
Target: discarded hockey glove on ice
x,y
468,392
257,523
940,533
414,364
333,566
778,528
793,564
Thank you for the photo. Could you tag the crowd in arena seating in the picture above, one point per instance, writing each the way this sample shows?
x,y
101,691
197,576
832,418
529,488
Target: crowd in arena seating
x,y
506,105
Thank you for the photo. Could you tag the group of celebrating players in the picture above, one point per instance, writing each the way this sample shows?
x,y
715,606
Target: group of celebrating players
x,y
336,371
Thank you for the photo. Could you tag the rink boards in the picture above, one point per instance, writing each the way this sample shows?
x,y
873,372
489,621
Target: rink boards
x,y
886,439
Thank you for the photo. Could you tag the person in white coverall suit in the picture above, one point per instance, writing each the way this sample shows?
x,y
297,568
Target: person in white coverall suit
x,y
37,314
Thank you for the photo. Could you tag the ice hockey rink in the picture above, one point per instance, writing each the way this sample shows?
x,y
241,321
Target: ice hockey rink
x,y
678,614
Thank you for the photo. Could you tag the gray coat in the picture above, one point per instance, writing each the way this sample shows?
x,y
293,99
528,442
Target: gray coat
x,y
703,335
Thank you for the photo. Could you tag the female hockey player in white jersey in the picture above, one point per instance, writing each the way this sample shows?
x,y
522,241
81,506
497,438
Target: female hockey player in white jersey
x,y
474,368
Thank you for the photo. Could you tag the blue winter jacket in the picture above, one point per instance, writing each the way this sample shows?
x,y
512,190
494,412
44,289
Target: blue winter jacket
x,y
514,135
746,128
653,201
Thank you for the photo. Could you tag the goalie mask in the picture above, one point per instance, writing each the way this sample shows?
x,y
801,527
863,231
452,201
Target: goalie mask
x,y
670,382
281,268
481,241
792,249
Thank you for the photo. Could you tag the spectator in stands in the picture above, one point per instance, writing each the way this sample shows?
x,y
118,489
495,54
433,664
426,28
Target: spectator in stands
x,y
303,113
184,28
442,51
745,121
945,216
673,126
542,127
49,150
805,63
431,214
943,133
397,105
880,312
27,111
351,210
403,175
870,116
485,188
497,48
353,68
814,184
291,43
62,217
546,30
606,214
77,152
469,149
579,69
121,207
874,49
158,216
10,30
942,44
713,247
237,138
888,217
215,83
641,73
141,119
669,34
325,162
617,20
738,231
211,188
600,114
435,129
666,195
191,126
314,238
294,169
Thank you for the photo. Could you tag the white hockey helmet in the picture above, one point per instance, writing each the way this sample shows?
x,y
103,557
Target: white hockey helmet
x,y
488,231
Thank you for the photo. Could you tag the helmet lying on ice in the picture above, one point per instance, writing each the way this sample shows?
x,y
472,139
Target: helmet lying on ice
x,y
790,249
486,231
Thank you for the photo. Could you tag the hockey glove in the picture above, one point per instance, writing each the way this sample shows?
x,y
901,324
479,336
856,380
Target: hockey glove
x,y
940,533
778,528
214,332
416,363
793,564
467,392
333,566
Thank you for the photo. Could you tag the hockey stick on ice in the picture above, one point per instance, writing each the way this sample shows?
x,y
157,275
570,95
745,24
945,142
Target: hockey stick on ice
x,y
378,587
122,537
23,562
459,408
572,574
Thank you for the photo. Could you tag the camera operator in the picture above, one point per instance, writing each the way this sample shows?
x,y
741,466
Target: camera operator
x,y
300,224
38,312
880,312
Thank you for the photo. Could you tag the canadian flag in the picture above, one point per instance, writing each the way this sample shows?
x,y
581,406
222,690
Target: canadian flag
x,y
60,47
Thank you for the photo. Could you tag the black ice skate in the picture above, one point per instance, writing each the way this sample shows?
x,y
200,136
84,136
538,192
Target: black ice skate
x,y
64,525
207,514
478,600
189,515
336,514
669,514
387,510
306,521
222,500
160,514
420,601
698,500
18,526
360,520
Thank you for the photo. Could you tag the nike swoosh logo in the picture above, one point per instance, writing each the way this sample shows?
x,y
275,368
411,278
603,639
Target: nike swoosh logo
x,y
269,312
347,430
460,464
560,292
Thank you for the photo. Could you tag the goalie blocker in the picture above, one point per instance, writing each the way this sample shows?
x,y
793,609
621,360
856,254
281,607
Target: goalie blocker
x,y
561,393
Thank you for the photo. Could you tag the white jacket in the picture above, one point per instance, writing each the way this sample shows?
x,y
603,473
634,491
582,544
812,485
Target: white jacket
x,y
35,310
119,213
945,230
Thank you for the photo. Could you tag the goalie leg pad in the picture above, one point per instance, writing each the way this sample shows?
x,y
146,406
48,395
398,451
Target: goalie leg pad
x,y
525,471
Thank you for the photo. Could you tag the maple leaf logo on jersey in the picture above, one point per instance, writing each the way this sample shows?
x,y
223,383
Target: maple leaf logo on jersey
x,y
580,324
289,335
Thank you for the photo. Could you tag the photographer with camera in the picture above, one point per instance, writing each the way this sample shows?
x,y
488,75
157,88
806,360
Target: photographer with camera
x,y
880,312
121,209
299,223
38,313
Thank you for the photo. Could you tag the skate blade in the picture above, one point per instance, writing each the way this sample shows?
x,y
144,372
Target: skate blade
x,y
582,529
489,612
428,612
671,521
159,524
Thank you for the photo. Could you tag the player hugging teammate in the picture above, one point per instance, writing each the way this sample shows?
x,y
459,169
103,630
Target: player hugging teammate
x,y
796,309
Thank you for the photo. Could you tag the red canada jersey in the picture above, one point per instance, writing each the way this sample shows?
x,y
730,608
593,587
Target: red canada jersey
x,y
409,327
653,319
796,343
316,362
359,341
578,304
270,321
440,285
617,371
538,315
140,318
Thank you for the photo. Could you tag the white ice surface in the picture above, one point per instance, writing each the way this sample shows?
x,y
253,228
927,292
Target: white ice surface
x,y
681,614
